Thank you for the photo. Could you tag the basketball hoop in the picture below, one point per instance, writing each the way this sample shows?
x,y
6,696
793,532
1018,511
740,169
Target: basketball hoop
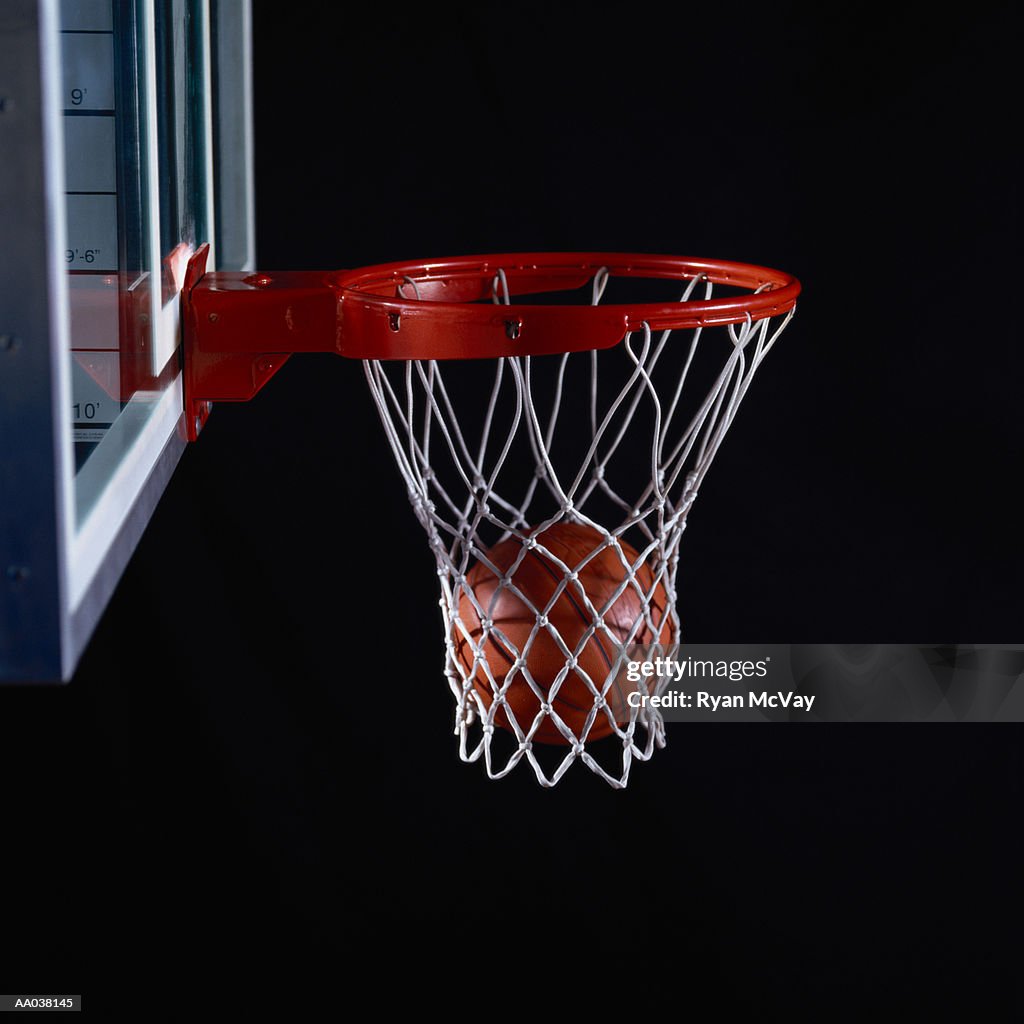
x,y
552,450
489,525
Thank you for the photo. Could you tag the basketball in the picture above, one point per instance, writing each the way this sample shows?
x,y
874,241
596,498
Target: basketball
x,y
537,577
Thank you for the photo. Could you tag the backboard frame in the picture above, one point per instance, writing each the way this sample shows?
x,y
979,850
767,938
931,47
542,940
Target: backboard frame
x,y
59,569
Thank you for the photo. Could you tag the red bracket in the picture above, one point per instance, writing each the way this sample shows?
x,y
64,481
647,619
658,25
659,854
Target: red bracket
x,y
240,328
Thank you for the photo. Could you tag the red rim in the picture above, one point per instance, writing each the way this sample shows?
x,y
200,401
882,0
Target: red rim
x,y
449,321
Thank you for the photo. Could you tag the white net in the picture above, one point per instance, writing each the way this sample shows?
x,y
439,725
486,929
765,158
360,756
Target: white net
x,y
554,491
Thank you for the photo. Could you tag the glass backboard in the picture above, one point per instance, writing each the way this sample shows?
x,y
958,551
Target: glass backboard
x,y
126,129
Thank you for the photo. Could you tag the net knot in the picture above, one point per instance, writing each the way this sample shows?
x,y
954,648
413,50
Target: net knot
x,y
421,504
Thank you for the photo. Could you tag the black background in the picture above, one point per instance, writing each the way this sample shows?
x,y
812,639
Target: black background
x,y
240,780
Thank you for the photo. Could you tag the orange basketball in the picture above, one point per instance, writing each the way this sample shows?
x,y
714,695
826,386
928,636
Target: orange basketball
x,y
537,578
